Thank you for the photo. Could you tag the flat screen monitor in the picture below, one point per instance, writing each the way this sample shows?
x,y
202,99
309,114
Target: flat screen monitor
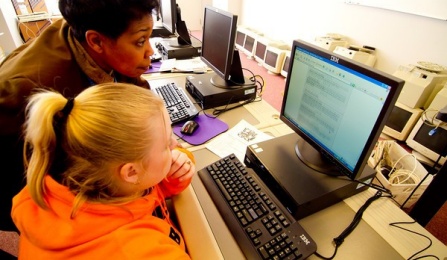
x,y
218,47
168,14
337,106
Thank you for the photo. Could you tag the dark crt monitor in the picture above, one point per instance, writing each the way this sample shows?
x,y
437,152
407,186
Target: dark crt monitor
x,y
338,106
168,14
218,48
401,121
249,43
240,38
430,140
398,119
260,50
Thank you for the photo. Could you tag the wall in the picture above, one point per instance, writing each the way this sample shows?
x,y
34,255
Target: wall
x,y
9,32
399,38
192,10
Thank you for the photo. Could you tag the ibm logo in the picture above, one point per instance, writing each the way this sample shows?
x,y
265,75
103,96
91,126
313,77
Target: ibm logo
x,y
305,240
334,59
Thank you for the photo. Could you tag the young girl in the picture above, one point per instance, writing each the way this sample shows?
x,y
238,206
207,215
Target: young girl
x,y
100,167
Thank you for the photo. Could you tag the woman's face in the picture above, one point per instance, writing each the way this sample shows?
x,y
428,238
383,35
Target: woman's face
x,y
130,54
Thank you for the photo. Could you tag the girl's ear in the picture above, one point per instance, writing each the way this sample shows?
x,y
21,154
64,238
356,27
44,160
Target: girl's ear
x,y
95,40
129,173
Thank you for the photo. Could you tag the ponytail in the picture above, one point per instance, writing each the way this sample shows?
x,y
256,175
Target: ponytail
x,y
41,139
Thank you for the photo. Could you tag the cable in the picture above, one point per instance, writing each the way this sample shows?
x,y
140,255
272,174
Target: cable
x,y
356,220
395,175
433,167
430,242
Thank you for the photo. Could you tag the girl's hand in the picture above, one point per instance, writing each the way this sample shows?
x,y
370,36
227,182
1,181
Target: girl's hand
x,y
182,168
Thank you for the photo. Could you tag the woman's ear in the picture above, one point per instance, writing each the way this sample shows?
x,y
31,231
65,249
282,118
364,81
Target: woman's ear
x,y
129,173
94,40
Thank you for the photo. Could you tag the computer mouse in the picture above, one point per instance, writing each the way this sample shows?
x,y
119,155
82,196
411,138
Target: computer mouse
x,y
189,127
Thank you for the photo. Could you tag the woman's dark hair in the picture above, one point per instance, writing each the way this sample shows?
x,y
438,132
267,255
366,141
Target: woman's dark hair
x,y
109,17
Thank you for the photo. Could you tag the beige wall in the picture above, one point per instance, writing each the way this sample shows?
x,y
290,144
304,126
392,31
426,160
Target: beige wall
x,y
399,38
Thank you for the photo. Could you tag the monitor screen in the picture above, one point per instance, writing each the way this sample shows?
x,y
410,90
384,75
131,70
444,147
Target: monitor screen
x,y
337,106
285,66
271,58
398,119
240,38
433,140
261,48
218,47
168,14
249,43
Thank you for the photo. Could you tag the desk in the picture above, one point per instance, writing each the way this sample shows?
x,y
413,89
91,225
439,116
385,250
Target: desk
x,y
207,236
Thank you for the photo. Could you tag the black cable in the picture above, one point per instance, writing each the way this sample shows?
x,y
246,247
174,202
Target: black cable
x,y
356,220
358,216
430,242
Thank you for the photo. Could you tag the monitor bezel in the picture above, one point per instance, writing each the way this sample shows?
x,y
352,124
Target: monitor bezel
x,y
395,88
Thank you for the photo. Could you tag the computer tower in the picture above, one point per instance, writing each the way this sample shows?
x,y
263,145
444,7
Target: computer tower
x,y
171,49
209,96
302,190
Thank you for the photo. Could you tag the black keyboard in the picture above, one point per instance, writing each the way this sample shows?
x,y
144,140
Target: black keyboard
x,y
178,104
262,228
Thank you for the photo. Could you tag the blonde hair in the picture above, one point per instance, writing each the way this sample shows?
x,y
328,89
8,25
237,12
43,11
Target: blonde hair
x,y
109,124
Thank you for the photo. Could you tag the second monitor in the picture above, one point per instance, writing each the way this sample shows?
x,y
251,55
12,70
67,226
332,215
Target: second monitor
x,y
227,83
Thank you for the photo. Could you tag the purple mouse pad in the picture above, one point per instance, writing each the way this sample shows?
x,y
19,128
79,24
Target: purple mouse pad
x,y
208,128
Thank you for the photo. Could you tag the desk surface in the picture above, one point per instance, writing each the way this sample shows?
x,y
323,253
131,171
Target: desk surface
x,y
207,236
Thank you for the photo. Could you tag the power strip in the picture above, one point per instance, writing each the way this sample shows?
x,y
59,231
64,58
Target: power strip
x,y
37,16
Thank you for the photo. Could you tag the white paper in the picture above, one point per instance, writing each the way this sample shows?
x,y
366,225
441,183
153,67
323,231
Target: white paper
x,y
236,140
188,65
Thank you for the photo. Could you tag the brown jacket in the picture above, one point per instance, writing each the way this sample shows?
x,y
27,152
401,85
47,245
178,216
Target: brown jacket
x,y
52,60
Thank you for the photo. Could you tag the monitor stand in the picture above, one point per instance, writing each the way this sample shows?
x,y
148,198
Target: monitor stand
x,y
301,189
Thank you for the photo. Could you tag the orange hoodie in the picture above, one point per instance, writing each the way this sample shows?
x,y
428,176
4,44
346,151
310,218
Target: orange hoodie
x,y
140,229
